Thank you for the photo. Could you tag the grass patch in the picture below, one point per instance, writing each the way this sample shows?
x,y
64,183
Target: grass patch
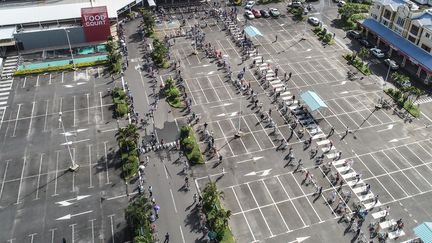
x,y
356,62
60,68
403,101
268,1
190,145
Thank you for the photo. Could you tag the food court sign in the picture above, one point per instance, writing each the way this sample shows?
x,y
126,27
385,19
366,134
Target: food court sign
x,y
96,23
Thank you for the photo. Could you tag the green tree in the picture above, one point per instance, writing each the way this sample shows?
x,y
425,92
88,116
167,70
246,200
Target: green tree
x,y
136,215
128,132
349,9
159,53
148,21
364,53
399,78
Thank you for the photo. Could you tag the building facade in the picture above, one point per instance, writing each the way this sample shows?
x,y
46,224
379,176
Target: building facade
x,y
405,29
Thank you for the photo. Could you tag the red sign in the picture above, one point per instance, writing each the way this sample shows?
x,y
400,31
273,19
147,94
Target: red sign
x,y
96,23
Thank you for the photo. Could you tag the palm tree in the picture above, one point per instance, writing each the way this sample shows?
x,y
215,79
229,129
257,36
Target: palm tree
x,y
128,132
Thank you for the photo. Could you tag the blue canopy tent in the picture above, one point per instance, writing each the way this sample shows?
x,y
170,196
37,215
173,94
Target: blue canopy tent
x,y
251,31
312,100
424,232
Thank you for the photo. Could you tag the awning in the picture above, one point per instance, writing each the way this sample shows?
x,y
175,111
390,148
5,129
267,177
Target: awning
x,y
313,100
151,3
424,232
251,31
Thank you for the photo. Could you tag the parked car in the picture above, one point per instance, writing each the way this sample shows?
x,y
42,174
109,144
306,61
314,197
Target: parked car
x,y
249,15
249,4
256,13
392,64
295,4
264,13
354,34
365,43
377,52
274,12
314,21
341,3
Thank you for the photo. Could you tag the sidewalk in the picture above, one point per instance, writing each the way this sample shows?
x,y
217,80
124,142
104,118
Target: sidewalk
x,y
164,172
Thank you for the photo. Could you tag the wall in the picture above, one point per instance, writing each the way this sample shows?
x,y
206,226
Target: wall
x,y
425,40
48,38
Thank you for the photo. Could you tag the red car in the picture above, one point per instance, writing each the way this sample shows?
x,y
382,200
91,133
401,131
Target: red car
x,y
256,13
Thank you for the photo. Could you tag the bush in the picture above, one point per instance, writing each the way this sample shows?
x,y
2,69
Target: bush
x,y
190,146
121,109
403,101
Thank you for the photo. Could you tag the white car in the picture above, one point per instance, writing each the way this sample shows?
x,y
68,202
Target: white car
x,y
314,21
377,52
392,64
249,4
248,14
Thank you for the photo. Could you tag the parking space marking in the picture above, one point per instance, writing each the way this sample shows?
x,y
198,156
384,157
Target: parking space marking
x,y
90,166
190,92
307,198
74,111
73,232
37,81
32,237
56,173
16,120
92,230
112,227
226,139
101,105
73,174
88,108
259,209
241,140
242,117
106,162
38,176
46,116
4,178
199,85
277,208
49,81
52,234
244,216
21,179
31,119
291,201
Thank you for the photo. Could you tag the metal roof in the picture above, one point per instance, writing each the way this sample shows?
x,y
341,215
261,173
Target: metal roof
x,y
7,32
415,53
424,232
313,100
51,12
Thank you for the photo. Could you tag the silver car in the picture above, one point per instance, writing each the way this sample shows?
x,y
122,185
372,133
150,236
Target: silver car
x,y
392,64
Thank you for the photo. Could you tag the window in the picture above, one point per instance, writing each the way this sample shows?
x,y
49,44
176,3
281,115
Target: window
x,y
425,47
414,30
387,14
412,39
400,21
427,35
374,16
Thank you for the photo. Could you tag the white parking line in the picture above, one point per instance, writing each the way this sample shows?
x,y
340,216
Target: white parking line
x,y
277,207
31,119
52,234
16,119
106,162
226,139
307,198
37,81
4,178
56,173
24,82
244,216
262,215
74,111
32,237
46,116
101,105
88,108
90,166
112,227
292,203
39,175
73,232
21,179
172,198
92,230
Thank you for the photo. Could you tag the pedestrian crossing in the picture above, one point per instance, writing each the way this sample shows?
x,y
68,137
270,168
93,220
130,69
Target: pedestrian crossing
x,y
9,67
423,100
5,89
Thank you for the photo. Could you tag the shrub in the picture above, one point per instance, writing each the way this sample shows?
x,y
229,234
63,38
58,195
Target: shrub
x,y
190,146
195,156
184,132
59,68
121,109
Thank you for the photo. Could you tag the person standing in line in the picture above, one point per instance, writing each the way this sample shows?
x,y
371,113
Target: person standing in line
x,y
150,190
195,197
167,238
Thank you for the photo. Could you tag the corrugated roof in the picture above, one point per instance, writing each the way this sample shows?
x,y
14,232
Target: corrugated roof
x,y
400,43
424,232
393,3
52,12
425,18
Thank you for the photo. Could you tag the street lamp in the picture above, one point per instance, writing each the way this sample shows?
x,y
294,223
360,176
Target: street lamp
x,y
74,166
388,72
70,47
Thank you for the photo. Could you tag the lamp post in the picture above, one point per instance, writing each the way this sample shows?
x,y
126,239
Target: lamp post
x,y
74,166
388,72
70,47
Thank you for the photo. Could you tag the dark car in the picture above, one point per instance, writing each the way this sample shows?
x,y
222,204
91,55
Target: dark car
x,y
353,34
264,13
365,43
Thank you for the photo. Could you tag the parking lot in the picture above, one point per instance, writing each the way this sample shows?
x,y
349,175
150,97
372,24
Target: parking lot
x,y
41,201
268,196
